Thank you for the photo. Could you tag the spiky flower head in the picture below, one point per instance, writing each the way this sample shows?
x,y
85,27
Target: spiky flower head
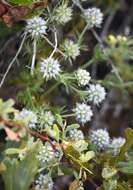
x,y
46,154
63,14
76,134
44,182
116,145
70,49
36,26
100,138
96,93
93,16
50,68
45,119
83,112
83,77
28,117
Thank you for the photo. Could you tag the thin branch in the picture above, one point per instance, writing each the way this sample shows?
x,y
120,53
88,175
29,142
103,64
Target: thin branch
x,y
102,45
13,60
33,57
52,88
107,24
83,32
56,44
42,137
51,44
10,40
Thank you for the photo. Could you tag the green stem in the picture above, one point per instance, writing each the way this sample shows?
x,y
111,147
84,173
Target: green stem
x,y
52,88
90,62
83,32
68,115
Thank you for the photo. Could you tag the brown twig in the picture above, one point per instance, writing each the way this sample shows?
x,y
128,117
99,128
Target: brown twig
x,y
33,133
42,137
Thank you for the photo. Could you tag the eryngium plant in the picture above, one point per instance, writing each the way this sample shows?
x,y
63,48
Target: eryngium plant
x,y
53,129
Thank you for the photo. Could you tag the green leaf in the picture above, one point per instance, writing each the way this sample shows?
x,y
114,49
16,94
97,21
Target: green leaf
x,y
108,173
127,145
54,133
6,108
126,167
87,156
66,170
110,184
22,2
73,126
10,151
20,174
80,146
59,120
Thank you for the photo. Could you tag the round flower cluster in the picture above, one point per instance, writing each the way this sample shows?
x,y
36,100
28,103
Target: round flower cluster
x,y
76,134
116,145
36,26
45,119
71,49
46,154
93,17
96,93
83,77
63,14
50,68
44,181
29,117
100,138
83,112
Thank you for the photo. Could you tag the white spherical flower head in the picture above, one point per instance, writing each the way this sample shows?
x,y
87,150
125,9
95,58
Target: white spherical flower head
x,y
45,119
83,112
44,181
63,14
28,117
93,16
71,49
116,145
96,93
50,68
100,138
36,26
83,77
76,134
46,154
